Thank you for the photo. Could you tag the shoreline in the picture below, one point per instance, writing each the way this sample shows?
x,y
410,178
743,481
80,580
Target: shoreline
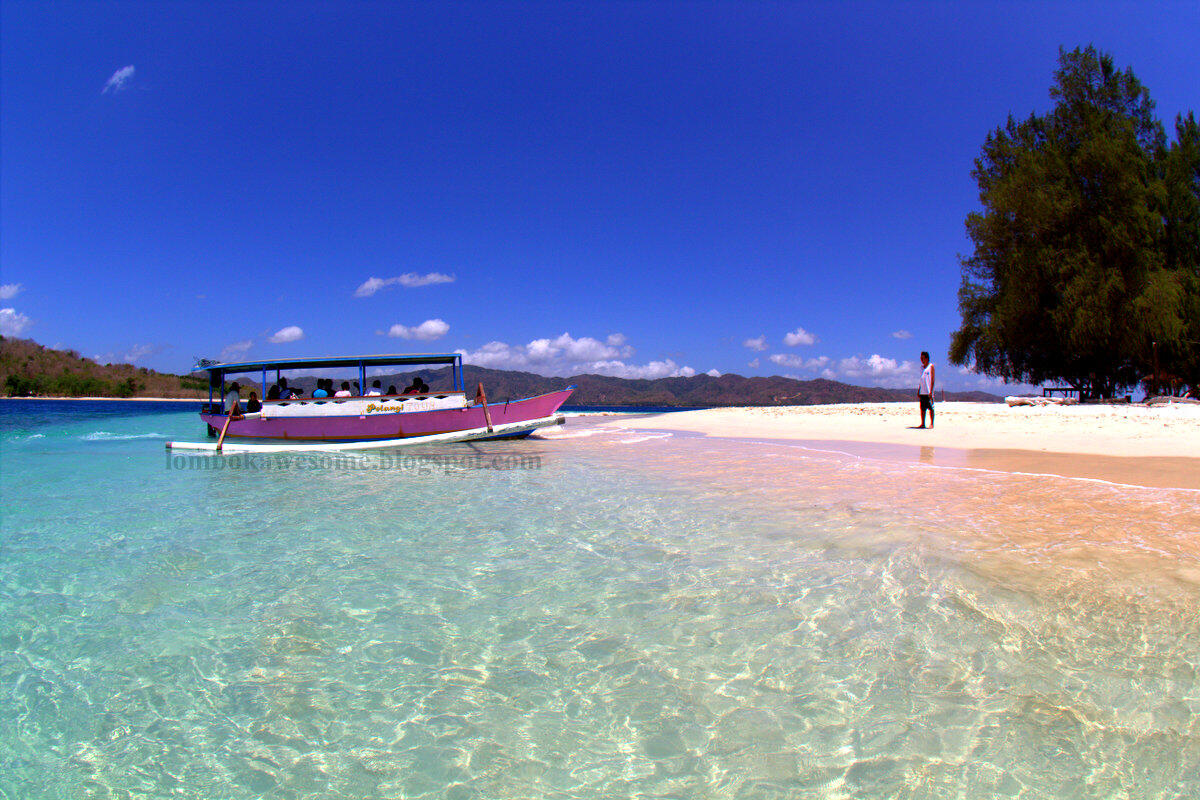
x,y
1156,472
1138,446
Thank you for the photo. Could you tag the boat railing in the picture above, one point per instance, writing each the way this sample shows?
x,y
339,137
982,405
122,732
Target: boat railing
x,y
218,407
376,398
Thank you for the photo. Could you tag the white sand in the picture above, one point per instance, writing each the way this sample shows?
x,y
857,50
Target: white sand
x,y
1117,430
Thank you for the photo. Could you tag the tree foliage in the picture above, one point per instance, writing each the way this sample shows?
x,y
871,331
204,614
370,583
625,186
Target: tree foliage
x,y
1086,244
1181,175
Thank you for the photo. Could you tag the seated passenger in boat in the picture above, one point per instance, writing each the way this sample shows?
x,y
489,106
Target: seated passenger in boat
x,y
320,390
232,398
392,389
273,392
286,393
375,391
344,391
418,386
252,404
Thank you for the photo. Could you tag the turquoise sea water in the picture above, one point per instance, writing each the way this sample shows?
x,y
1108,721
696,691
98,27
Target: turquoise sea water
x,y
595,614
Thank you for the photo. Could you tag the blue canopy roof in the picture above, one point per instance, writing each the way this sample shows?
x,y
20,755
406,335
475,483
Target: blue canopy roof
x,y
379,360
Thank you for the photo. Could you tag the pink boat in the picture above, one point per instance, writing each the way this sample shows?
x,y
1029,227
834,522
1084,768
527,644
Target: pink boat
x,y
371,417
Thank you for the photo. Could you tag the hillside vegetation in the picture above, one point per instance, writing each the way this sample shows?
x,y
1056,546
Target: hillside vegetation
x,y
27,369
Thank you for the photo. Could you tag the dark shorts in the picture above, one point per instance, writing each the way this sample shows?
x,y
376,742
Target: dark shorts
x,y
926,401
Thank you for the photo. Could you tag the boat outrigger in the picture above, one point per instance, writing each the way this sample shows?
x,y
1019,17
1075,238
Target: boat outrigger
x,y
378,420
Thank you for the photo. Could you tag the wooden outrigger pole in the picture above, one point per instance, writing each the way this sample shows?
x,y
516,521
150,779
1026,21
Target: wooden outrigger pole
x,y
482,399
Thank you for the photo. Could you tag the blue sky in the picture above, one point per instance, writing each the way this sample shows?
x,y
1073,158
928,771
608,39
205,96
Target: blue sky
x,y
636,189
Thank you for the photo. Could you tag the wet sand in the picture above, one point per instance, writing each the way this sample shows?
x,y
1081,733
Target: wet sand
x,y
1158,447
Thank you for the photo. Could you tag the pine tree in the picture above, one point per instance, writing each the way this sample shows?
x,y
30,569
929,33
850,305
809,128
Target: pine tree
x,y
1070,279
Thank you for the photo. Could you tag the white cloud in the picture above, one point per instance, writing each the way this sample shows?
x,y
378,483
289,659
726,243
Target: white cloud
x,y
408,280
753,364
972,380
798,337
875,370
292,333
713,373
236,349
427,331
131,356
902,334
880,370
758,344
798,362
138,352
566,355
13,323
655,369
118,80
9,290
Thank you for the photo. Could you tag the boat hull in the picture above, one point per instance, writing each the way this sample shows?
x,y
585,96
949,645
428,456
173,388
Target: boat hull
x,y
366,427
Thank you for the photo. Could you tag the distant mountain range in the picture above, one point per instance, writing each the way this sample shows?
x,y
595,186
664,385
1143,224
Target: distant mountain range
x,y
696,391
29,369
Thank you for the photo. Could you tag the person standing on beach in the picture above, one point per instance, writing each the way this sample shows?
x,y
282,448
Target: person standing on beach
x,y
925,389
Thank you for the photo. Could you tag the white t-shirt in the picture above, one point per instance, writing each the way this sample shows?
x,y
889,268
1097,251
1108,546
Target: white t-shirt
x,y
926,380
373,393
342,393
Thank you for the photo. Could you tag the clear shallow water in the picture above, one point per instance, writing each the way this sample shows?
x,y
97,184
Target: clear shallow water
x,y
609,614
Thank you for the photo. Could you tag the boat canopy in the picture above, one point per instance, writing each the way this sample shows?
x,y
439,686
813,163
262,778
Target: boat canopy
x,y
218,371
383,360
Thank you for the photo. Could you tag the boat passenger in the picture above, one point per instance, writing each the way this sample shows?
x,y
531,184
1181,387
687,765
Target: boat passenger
x,y
320,390
273,392
357,390
392,389
232,397
286,393
418,386
344,391
376,390
252,405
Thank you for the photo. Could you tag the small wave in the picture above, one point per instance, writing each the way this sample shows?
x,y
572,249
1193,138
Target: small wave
x,y
16,436
580,434
572,414
647,438
105,436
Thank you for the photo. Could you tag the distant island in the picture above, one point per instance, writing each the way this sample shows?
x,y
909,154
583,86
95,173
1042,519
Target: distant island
x,y
28,369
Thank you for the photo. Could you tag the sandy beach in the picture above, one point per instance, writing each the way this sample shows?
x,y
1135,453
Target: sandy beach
x,y
1157,446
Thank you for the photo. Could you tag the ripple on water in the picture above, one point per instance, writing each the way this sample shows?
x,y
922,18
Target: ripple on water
x,y
657,617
